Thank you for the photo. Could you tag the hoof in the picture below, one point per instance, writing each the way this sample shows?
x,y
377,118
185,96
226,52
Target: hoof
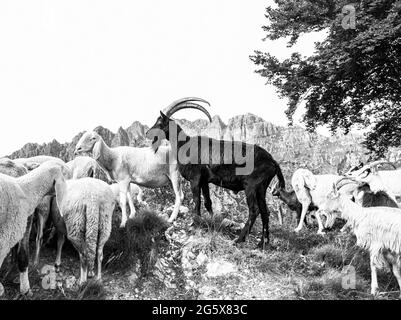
x,y
122,225
297,230
57,268
91,274
1,290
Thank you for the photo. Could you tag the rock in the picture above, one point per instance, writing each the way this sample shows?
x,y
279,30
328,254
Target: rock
x,y
70,281
219,268
201,258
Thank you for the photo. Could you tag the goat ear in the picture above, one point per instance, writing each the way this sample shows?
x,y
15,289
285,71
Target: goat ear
x,y
163,115
97,149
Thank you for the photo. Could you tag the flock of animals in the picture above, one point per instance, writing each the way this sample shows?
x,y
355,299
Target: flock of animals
x,y
79,196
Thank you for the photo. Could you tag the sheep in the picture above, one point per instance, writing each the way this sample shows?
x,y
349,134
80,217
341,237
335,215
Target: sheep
x,y
224,166
383,180
80,167
84,166
141,166
18,199
33,162
377,229
86,206
10,168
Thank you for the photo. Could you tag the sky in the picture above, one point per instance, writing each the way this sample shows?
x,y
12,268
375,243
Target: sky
x,y
68,66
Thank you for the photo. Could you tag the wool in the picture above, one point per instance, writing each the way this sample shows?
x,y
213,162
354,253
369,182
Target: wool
x,y
18,199
378,229
86,206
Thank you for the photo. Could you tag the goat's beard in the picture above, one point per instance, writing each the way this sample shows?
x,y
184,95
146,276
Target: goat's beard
x,y
330,219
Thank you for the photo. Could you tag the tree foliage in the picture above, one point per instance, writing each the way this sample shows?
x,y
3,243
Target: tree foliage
x,y
355,74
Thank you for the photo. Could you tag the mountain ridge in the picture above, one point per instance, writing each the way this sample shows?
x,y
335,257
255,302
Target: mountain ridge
x,y
292,146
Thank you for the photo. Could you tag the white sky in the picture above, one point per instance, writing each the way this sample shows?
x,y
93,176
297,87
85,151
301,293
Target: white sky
x,y
68,66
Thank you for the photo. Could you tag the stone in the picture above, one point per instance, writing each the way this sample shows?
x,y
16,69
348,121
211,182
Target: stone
x,y
219,268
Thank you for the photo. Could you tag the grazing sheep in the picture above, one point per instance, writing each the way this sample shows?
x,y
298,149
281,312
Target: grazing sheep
x,y
233,165
86,206
141,166
18,199
377,229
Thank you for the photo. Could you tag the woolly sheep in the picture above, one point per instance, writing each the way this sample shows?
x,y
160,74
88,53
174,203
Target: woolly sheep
x,y
141,166
18,199
86,206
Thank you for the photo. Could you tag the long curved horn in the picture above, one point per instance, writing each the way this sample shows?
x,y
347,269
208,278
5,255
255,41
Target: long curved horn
x,y
348,181
186,103
375,164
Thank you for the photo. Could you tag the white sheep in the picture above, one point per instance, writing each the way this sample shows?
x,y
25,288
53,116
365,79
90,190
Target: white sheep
x,y
18,199
378,229
86,206
33,162
141,166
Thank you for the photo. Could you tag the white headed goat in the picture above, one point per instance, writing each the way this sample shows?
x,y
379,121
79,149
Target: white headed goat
x,y
388,181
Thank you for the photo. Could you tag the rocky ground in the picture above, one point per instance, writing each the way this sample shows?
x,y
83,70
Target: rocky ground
x,y
198,260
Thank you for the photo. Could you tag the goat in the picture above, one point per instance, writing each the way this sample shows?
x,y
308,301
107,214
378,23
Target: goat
x,y
141,166
385,180
291,200
203,160
311,189
378,229
18,199
364,196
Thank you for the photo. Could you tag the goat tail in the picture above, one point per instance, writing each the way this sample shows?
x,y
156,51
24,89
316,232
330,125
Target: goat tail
x,y
91,233
280,177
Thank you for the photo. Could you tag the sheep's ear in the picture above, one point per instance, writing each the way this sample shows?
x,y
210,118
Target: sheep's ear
x,y
96,152
90,173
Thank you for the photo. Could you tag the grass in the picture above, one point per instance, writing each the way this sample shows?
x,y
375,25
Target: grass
x,y
296,266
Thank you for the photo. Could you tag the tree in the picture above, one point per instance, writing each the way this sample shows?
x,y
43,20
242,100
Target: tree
x,y
354,77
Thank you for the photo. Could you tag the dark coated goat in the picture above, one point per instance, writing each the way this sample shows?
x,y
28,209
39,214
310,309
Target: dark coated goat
x,y
203,160
367,198
291,200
